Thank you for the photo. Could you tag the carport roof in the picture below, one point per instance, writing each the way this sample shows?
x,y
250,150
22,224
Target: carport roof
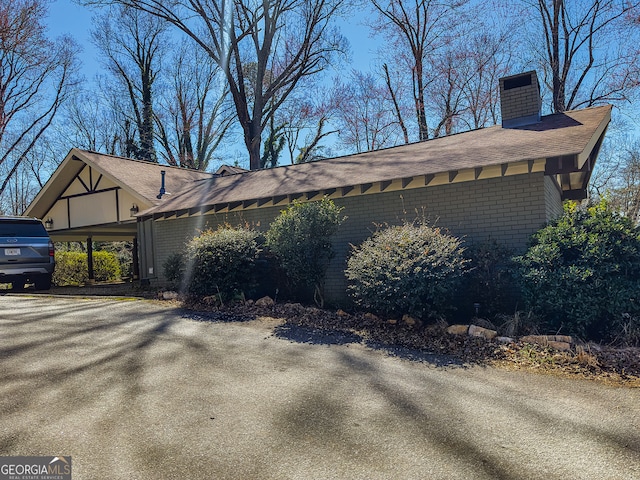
x,y
139,178
563,145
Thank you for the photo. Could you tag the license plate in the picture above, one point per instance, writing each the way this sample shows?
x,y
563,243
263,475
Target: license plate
x,y
11,251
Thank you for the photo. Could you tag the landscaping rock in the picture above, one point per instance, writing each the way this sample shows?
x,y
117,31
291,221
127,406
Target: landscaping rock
x,y
211,301
170,295
371,317
476,331
410,321
562,346
265,302
505,339
341,313
392,321
458,329
561,338
482,322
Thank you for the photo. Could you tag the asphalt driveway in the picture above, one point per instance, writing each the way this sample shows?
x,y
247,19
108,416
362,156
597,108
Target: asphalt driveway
x,y
137,390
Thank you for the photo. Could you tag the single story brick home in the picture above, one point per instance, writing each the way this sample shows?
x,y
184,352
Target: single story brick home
x,y
499,183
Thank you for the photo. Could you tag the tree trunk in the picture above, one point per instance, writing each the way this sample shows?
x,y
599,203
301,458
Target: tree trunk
x,y
253,141
558,84
423,129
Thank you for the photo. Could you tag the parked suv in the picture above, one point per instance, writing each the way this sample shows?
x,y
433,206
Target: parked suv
x,y
26,253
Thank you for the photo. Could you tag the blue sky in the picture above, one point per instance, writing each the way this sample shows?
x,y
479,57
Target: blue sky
x,y
68,18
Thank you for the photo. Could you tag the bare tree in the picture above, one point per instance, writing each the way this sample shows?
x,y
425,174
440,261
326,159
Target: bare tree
x,y
589,50
364,113
18,193
287,40
93,122
195,113
618,176
132,42
396,104
32,173
465,90
303,119
313,150
37,75
447,90
487,58
416,29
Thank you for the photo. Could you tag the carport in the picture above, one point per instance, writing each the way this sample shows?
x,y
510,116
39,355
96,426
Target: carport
x,y
92,197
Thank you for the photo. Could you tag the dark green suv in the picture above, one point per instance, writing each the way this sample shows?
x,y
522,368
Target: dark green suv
x,y
26,253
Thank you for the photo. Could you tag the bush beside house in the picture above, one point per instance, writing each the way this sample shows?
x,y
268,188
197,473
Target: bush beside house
x,y
71,267
300,238
411,269
581,273
220,262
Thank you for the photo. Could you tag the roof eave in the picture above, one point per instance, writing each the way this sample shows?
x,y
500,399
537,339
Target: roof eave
x,y
385,185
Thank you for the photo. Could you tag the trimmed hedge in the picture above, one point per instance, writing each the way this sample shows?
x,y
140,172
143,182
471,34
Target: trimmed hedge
x,y
300,237
221,262
71,268
410,269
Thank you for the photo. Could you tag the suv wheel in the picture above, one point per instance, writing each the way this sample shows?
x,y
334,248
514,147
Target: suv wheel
x,y
43,282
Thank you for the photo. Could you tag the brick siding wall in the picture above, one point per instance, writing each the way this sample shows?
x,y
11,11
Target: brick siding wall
x,y
507,209
553,199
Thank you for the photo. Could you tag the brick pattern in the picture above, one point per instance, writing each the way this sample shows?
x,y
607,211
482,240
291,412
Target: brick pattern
x,y
520,102
553,198
172,235
507,209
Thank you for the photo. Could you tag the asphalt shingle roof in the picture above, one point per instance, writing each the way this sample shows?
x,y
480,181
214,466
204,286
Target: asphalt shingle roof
x,y
142,177
556,135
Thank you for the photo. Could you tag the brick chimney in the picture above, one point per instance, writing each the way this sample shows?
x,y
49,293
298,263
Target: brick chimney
x,y
520,102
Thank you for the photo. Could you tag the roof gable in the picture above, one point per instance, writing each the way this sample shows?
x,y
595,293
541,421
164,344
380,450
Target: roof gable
x,y
83,171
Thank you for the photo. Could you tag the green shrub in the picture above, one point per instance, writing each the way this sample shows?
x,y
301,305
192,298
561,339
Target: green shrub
x,y
123,252
410,269
221,262
173,269
71,268
106,266
300,237
582,272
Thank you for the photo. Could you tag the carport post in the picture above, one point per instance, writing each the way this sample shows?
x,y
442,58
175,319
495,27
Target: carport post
x,y
134,254
90,260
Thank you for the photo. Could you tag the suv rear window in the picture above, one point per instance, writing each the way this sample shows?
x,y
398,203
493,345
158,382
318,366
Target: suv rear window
x,y
18,228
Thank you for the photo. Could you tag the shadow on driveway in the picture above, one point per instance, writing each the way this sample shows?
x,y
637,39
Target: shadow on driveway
x,y
140,390
317,336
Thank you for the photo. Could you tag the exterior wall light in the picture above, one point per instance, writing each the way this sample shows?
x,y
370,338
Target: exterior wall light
x,y
48,223
133,210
